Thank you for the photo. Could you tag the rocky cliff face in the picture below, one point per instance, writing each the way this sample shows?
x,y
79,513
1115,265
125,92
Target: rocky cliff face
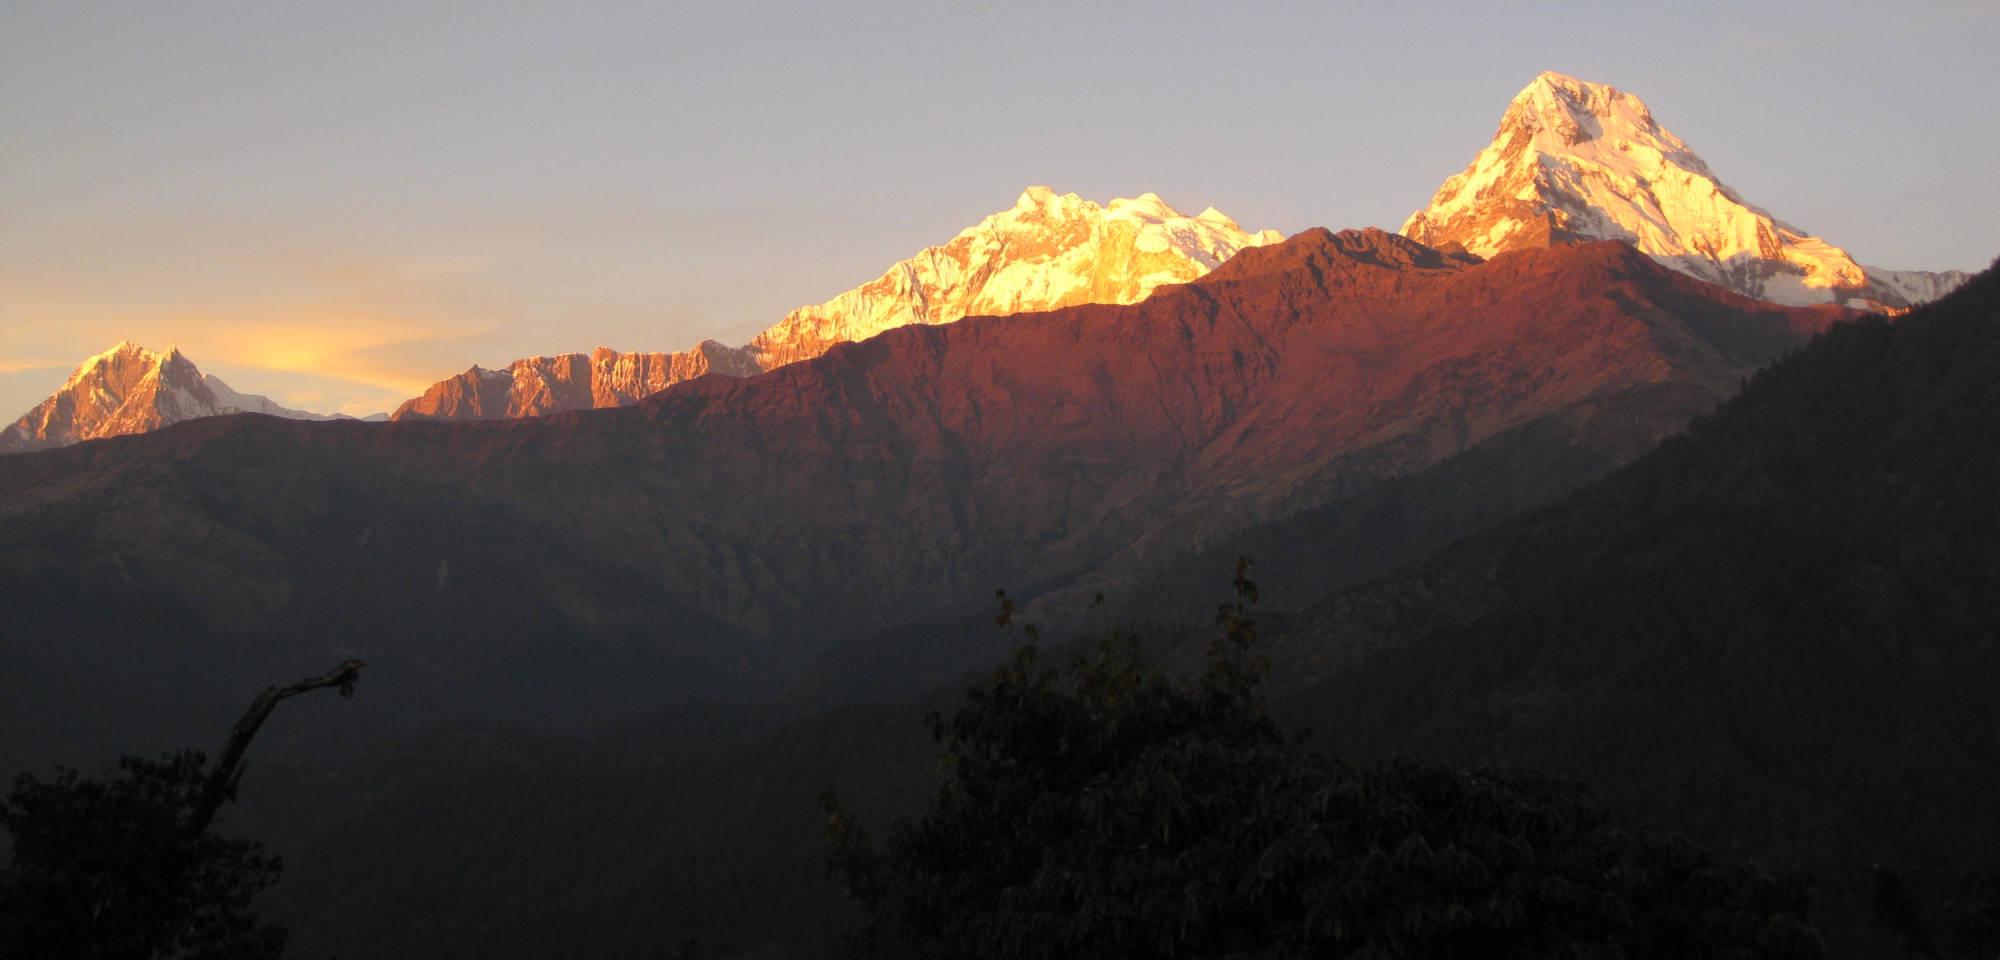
x,y
539,386
130,389
1583,161
1049,250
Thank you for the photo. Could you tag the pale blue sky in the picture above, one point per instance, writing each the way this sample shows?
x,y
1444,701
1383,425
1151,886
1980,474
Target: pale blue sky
x,y
387,195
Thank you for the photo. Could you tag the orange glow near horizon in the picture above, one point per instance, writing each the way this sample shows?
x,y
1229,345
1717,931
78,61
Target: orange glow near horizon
x,y
323,359
338,347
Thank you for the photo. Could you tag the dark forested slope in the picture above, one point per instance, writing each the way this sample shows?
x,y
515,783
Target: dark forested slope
x,y
720,536
1774,633
1779,632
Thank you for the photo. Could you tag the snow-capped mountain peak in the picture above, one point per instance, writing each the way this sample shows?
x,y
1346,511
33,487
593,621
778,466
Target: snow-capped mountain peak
x,y
1049,250
130,389
1574,160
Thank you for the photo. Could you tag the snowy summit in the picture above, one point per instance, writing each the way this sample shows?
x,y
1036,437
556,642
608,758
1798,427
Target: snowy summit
x,y
1577,161
130,389
1048,250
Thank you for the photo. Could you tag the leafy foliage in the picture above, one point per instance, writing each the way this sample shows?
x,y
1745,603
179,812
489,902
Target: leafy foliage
x,y
107,867
1110,810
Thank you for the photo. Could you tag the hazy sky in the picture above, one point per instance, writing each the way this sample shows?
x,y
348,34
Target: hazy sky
x,y
337,204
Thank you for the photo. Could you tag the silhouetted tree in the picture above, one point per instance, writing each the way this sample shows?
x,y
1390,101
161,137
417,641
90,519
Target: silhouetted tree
x,y
1967,918
103,867
1109,810
124,866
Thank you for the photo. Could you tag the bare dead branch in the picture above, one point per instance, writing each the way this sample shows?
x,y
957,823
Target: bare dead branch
x,y
229,765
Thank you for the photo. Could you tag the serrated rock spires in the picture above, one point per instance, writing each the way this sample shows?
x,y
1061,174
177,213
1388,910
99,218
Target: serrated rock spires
x,y
1578,161
539,386
1048,250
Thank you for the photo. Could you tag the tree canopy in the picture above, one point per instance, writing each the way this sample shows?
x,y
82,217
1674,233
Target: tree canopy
x,y
106,867
1108,809
125,865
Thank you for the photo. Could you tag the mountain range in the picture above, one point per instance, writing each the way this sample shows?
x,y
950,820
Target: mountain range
x,y
1773,635
1571,161
1046,251
1565,485
725,534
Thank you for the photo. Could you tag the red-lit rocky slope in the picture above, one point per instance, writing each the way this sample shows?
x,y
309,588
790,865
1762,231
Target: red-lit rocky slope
x,y
1048,250
716,537
539,386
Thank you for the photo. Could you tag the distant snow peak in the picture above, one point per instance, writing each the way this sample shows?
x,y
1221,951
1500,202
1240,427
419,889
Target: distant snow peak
x,y
1048,250
130,389
232,402
1575,161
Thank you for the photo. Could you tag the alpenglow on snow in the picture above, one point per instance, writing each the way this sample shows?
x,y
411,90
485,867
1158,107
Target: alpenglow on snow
x,y
1048,250
1583,161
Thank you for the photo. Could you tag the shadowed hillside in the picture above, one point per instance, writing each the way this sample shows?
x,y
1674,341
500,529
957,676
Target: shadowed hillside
x,y
1777,632
718,538
1773,633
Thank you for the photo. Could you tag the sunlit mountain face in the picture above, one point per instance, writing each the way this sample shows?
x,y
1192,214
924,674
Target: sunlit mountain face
x,y
1582,161
1596,467
1048,250
727,533
130,389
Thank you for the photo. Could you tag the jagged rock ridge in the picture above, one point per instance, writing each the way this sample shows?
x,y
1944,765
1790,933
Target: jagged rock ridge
x,y
1584,161
1048,250
538,386
130,389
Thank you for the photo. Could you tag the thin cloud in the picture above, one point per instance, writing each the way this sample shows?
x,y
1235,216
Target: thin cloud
x,y
365,348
